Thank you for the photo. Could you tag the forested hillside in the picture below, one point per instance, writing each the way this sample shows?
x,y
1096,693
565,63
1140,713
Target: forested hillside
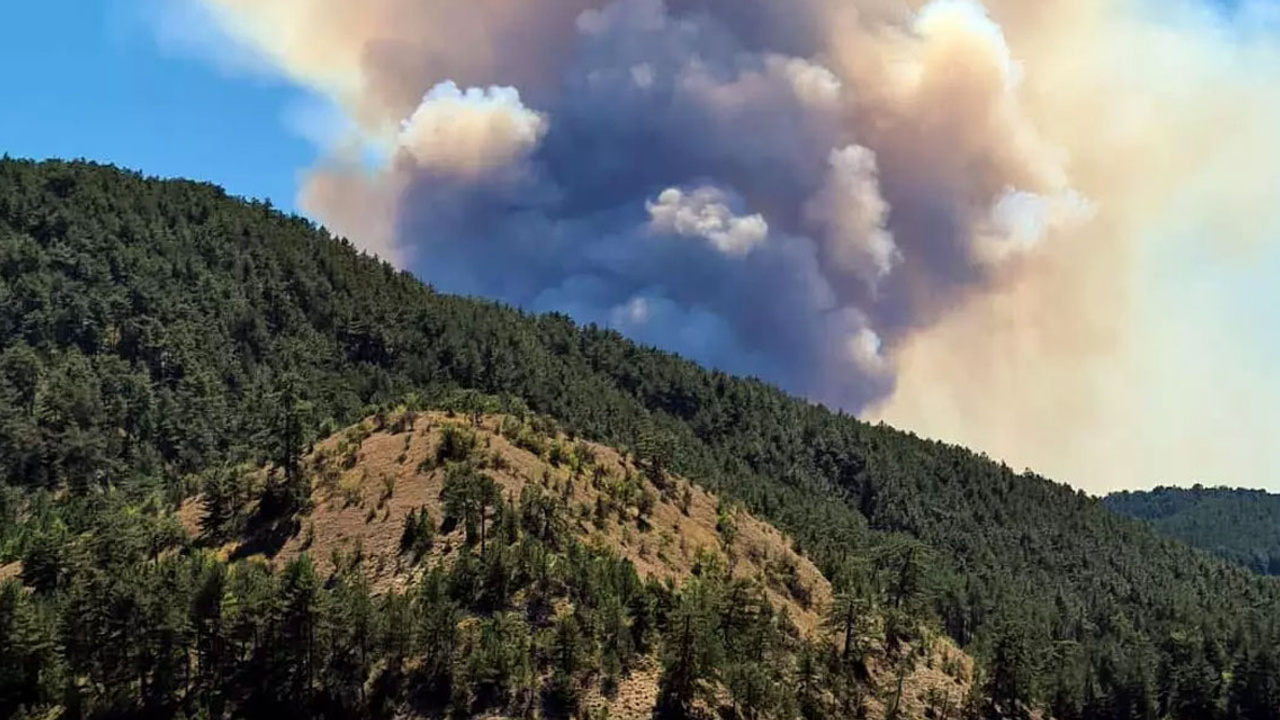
x,y
153,332
1240,525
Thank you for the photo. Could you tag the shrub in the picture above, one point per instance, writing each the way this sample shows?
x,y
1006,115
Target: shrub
x,y
456,445
418,534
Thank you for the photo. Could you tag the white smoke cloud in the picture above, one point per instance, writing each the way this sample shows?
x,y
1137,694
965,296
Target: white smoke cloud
x,y
863,347
704,213
854,216
470,132
1020,221
967,21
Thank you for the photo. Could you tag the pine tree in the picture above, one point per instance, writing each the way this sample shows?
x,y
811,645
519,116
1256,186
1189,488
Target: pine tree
x,y
221,495
32,669
468,495
435,632
297,623
419,533
290,426
691,652
810,682
207,615
567,658
1009,687
1256,686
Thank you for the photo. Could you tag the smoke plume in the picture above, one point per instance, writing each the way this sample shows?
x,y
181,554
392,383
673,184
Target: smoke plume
x,y
957,217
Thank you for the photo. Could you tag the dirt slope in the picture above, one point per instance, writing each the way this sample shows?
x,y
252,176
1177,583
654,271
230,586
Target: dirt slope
x,y
367,478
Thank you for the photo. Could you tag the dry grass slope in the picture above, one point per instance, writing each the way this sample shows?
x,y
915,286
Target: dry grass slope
x,y
369,477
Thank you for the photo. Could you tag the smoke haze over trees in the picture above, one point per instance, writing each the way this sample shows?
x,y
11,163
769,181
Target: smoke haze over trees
x,y
975,220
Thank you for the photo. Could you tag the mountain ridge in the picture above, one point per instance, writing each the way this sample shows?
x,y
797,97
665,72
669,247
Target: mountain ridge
x,y
1241,525
211,324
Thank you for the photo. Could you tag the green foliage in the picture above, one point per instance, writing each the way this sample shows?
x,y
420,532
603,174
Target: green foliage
x,y
33,670
543,516
654,450
529,439
692,651
1240,525
726,522
468,496
456,445
850,622
289,428
224,494
557,454
496,669
418,534
568,647
1009,686
152,331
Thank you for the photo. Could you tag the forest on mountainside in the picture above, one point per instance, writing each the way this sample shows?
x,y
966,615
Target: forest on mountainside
x,y
490,603
153,331
1236,524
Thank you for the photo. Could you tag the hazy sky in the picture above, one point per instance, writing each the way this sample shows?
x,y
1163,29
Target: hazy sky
x,y
1052,234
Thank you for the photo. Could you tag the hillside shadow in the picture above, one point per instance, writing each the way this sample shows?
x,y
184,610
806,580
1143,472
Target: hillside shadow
x,y
275,521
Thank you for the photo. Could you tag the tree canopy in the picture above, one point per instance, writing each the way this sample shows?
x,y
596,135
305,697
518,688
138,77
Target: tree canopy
x,y
1237,524
154,330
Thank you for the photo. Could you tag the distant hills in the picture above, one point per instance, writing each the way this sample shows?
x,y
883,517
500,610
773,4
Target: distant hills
x,y
158,337
1237,524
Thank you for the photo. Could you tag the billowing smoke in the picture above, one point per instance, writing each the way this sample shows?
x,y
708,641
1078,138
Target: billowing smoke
x,y
940,213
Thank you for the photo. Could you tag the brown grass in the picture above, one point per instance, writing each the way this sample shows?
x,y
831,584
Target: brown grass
x,y
365,482
363,489
12,570
929,683
190,514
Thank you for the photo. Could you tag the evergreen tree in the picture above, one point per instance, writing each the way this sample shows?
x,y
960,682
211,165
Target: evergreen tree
x,y
468,495
1009,688
418,534
32,671
691,652
567,650
222,500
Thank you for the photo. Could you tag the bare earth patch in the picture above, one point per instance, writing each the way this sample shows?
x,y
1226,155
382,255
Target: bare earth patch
x,y
12,570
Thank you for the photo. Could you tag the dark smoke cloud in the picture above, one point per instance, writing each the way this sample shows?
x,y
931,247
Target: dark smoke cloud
x,y
928,211
700,180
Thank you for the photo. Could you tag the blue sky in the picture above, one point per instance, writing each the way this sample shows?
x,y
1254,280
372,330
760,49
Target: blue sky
x,y
94,79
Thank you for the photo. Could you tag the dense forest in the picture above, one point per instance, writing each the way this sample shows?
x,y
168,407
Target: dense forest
x,y
1237,524
154,333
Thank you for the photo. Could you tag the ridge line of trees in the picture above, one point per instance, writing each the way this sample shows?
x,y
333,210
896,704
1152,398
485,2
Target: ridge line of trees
x,y
149,331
